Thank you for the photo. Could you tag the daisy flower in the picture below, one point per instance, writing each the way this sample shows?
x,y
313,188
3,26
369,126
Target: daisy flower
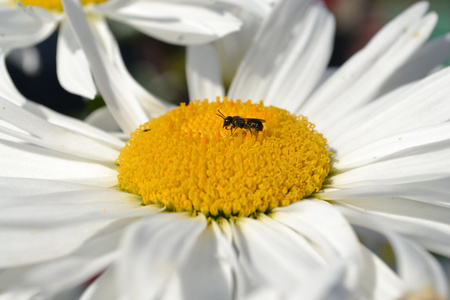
x,y
186,209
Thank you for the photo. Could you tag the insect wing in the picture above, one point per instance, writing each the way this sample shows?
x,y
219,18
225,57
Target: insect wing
x,y
254,119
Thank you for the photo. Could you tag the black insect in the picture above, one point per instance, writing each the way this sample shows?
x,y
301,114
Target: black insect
x,y
240,122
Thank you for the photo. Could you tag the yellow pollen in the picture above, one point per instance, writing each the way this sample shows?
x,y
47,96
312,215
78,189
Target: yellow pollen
x,y
55,4
186,161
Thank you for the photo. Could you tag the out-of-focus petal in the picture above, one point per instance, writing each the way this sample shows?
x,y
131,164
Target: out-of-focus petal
x,y
203,74
7,88
29,27
174,24
379,281
104,287
102,118
72,66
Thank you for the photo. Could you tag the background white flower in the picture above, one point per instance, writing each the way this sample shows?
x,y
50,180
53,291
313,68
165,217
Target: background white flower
x,y
178,22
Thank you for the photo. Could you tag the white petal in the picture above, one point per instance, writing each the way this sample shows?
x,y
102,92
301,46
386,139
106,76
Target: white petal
x,y
68,272
73,124
264,58
150,103
429,165
415,266
392,146
400,207
367,85
432,235
27,161
321,217
51,136
433,192
40,14
203,73
206,275
28,29
29,191
380,282
72,66
127,112
431,55
25,246
22,294
66,208
351,122
227,254
181,24
102,118
421,104
358,80
333,236
7,88
104,287
305,60
257,7
19,187
78,267
316,237
153,249
325,285
111,5
257,241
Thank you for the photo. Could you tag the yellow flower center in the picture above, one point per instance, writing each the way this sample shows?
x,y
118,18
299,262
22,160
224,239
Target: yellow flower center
x,y
186,161
56,4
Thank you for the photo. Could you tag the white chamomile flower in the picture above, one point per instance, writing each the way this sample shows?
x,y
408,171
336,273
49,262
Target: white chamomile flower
x,y
185,209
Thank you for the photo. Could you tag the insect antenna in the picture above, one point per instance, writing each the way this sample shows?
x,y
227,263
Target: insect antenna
x,y
220,114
